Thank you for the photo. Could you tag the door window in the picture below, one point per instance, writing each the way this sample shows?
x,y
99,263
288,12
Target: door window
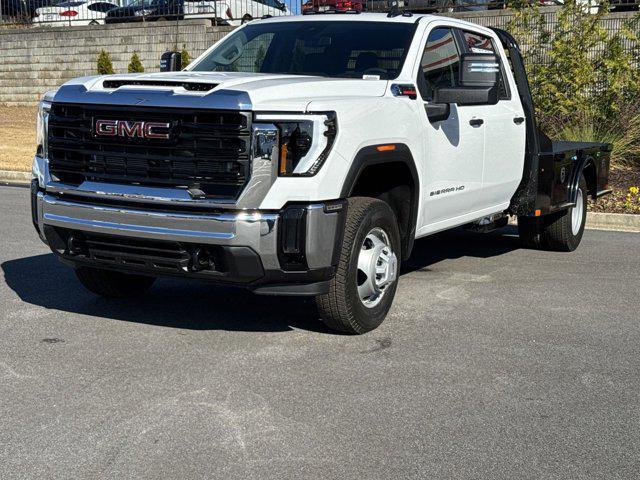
x,y
101,7
477,43
440,62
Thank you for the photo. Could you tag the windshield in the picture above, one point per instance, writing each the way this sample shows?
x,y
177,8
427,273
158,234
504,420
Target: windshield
x,y
344,49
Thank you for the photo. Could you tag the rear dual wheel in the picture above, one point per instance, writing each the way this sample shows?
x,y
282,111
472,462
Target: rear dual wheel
x,y
361,292
561,231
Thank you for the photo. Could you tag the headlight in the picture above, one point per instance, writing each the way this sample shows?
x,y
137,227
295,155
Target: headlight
x,y
304,141
42,125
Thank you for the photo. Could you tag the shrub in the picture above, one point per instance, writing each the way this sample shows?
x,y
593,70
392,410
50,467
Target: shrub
x,y
185,57
135,66
584,82
622,132
105,67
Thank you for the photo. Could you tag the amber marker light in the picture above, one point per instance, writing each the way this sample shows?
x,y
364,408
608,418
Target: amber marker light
x,y
385,148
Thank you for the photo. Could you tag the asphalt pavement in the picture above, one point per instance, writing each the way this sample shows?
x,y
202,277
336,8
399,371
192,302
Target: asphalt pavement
x,y
494,362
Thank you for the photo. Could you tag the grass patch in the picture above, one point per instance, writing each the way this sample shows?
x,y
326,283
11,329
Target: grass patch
x,y
17,137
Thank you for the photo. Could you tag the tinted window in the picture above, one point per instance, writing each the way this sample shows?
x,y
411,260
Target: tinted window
x,y
101,7
326,48
440,62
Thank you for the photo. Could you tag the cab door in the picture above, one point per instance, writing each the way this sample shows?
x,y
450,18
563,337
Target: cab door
x,y
505,128
453,147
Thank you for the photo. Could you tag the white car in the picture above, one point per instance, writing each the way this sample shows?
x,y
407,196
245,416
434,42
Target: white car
x,y
235,12
74,13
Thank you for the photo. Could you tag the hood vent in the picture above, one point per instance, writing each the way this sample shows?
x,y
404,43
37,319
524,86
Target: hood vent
x,y
191,86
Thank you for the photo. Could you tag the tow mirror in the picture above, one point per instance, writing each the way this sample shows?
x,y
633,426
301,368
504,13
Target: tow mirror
x,y
437,112
479,70
466,95
171,62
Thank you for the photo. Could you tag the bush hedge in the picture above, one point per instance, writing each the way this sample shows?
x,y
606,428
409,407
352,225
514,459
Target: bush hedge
x,y
584,79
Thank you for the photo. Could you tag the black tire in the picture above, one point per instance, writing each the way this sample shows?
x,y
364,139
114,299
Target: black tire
x,y
555,232
342,309
111,284
246,19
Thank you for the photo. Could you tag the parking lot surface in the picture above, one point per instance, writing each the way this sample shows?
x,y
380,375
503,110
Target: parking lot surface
x,y
495,362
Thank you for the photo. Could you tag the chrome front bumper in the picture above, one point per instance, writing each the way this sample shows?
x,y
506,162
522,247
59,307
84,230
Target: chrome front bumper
x,y
260,231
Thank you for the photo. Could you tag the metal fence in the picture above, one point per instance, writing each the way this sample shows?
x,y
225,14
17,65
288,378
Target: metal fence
x,y
450,6
65,13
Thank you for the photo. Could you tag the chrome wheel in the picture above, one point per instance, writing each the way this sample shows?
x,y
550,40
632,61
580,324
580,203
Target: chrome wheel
x,y
577,213
377,267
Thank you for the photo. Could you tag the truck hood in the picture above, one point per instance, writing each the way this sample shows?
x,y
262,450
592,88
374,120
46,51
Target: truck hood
x,y
217,90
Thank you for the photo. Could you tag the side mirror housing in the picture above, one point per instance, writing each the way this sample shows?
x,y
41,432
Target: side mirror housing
x,y
467,95
437,112
171,62
479,70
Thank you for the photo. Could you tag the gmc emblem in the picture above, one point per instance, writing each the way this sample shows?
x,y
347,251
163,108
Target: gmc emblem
x,y
123,128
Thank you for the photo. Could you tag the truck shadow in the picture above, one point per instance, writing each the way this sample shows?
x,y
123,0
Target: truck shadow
x,y
43,281
459,243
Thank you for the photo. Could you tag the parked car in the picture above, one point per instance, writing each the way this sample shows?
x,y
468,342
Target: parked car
x,y
235,12
231,12
303,156
338,6
149,10
91,12
22,9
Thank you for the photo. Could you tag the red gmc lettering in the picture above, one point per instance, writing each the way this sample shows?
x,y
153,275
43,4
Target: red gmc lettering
x,y
150,133
107,128
130,129
123,128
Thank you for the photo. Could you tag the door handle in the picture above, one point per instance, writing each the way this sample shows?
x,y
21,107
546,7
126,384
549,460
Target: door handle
x,y
518,120
476,122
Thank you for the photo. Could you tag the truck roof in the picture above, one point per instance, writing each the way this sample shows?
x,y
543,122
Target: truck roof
x,y
367,17
360,17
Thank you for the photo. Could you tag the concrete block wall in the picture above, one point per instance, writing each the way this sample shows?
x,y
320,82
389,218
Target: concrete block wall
x,y
35,60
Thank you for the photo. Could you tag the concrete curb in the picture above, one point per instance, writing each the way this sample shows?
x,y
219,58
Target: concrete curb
x,y
620,222
9,176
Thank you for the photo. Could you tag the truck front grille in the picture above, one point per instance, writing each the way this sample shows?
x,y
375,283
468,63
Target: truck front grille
x,y
206,149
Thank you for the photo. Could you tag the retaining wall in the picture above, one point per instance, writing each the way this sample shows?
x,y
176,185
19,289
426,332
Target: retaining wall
x,y
34,60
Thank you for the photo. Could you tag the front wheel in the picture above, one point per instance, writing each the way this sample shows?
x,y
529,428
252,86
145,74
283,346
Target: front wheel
x,y
363,288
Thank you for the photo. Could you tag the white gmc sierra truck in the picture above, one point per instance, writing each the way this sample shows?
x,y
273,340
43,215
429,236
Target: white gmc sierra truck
x,y
303,156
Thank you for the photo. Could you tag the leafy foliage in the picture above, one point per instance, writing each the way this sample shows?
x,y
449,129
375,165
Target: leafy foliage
x,y
584,78
185,57
105,66
135,66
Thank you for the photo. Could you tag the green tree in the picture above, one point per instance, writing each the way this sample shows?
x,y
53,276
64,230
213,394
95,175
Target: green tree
x,y
105,66
135,66
584,79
